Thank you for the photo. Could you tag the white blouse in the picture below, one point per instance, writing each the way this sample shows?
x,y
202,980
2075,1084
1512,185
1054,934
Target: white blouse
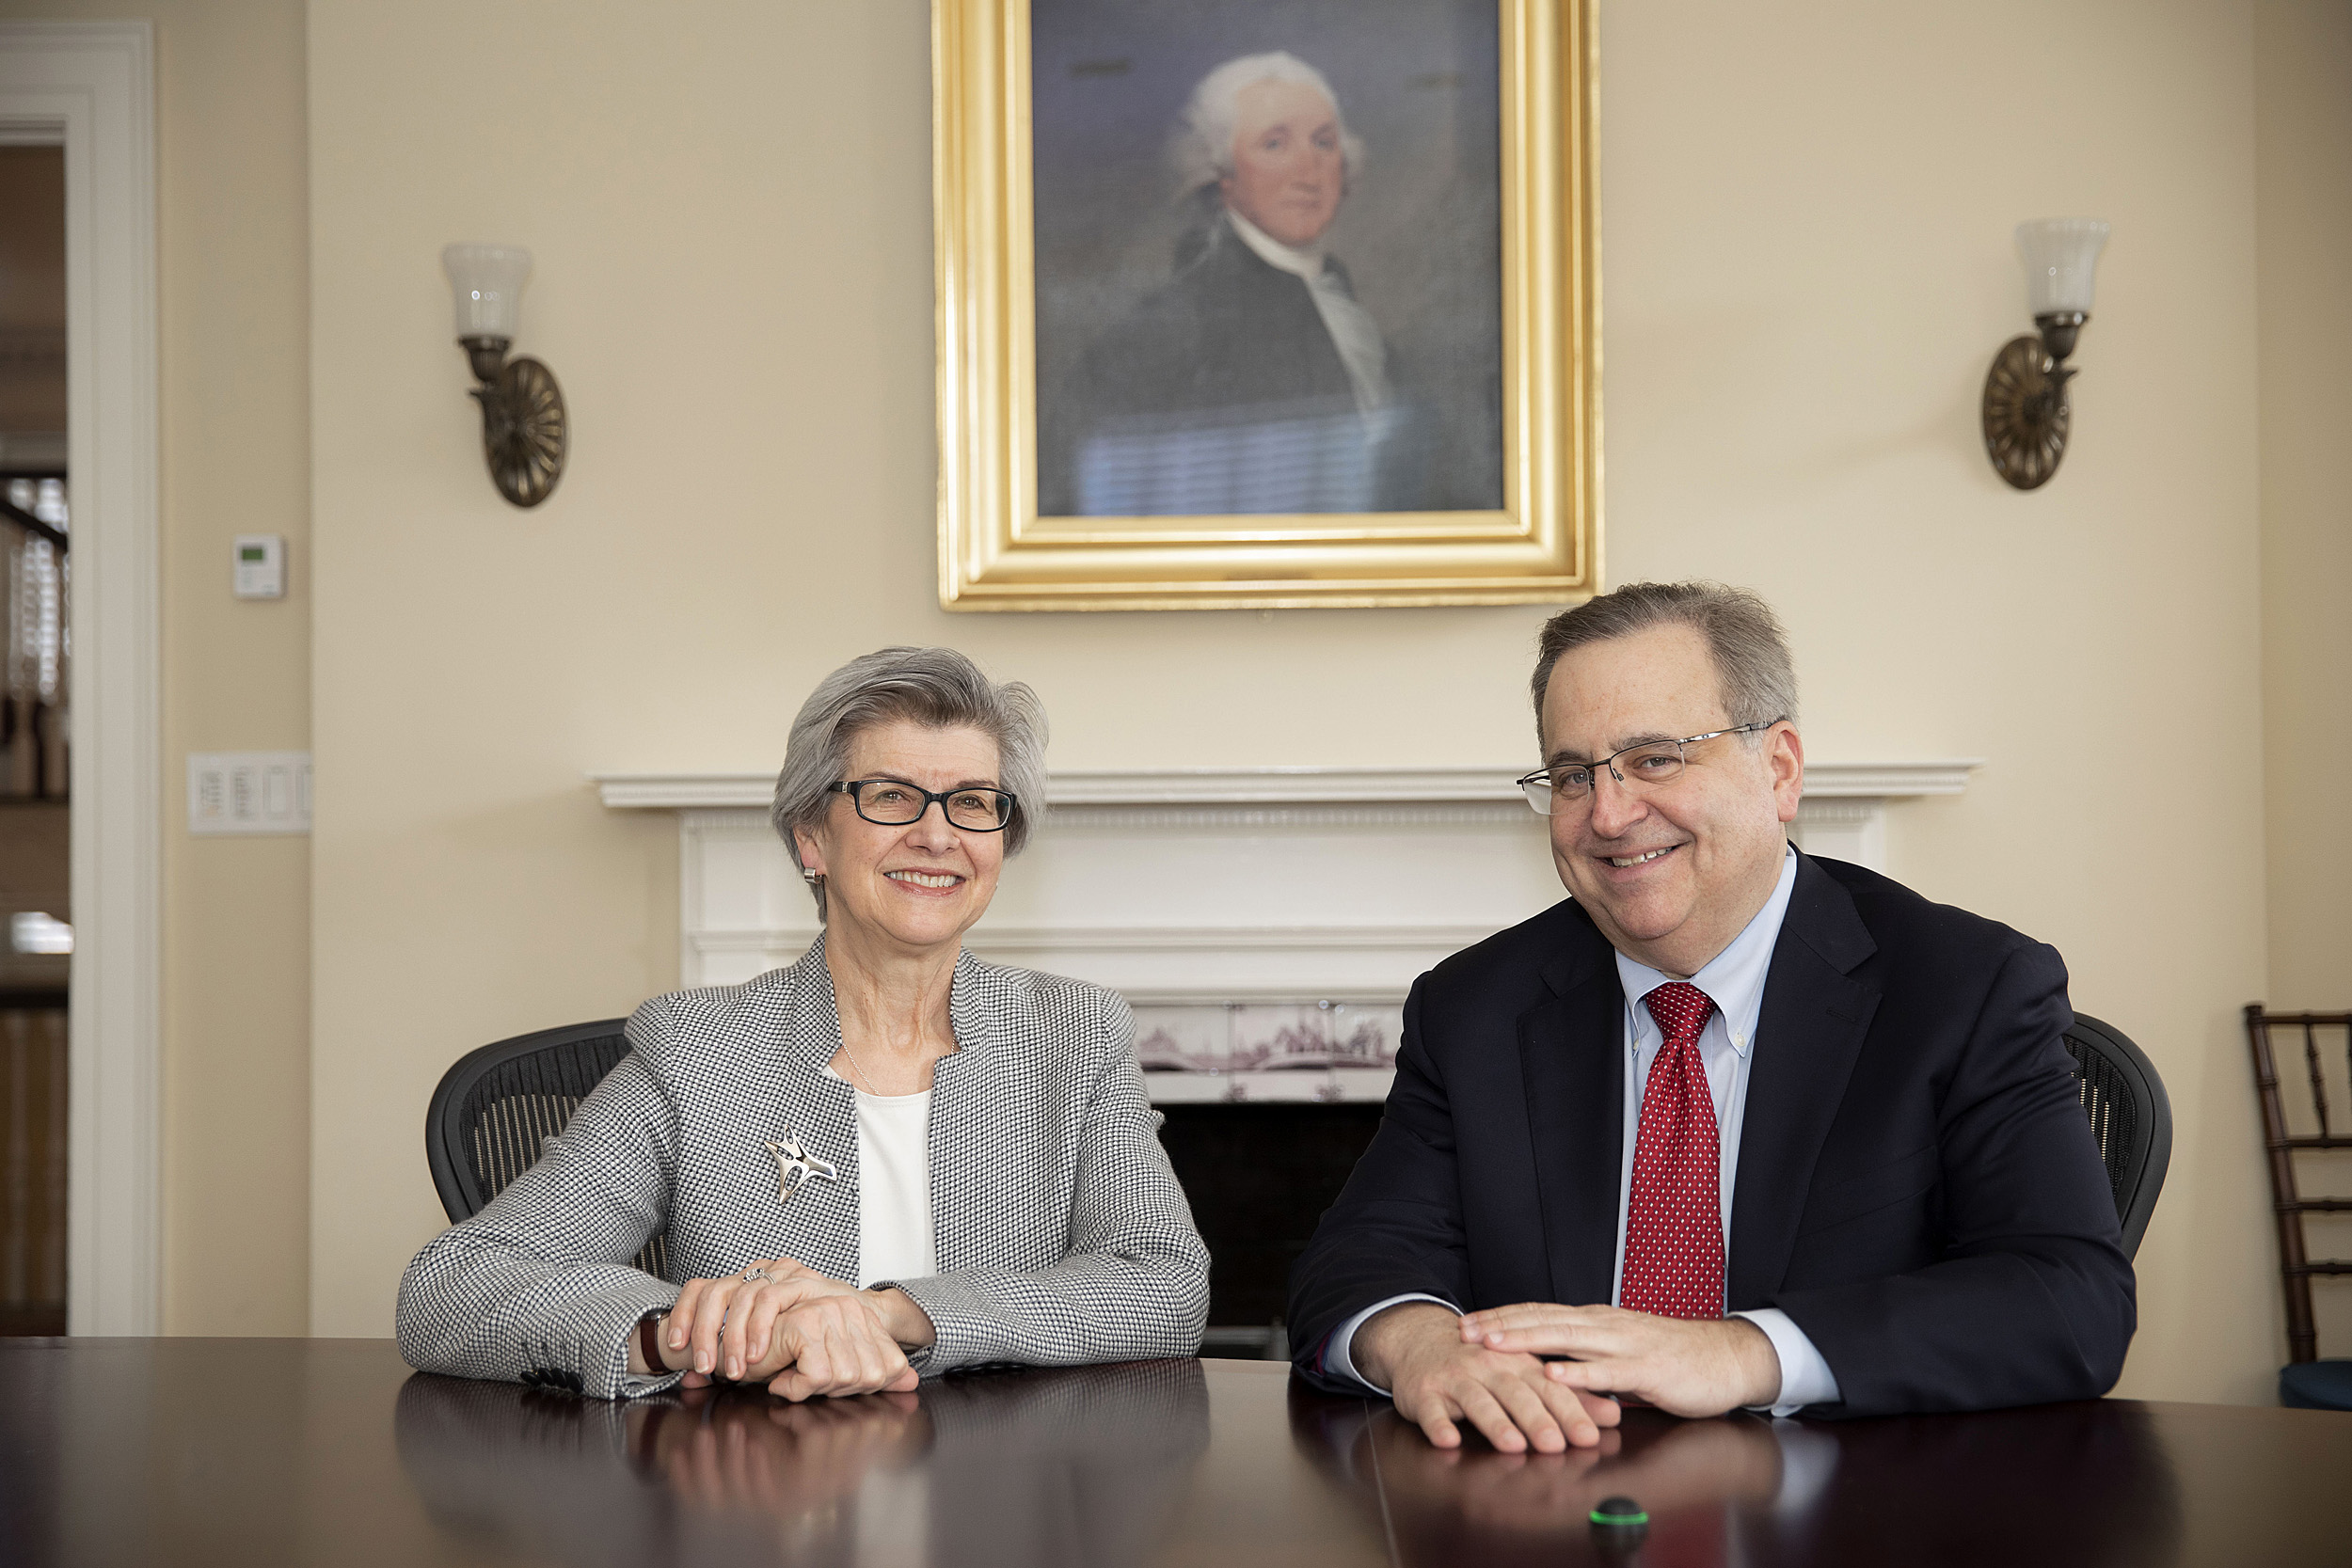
x,y
894,1164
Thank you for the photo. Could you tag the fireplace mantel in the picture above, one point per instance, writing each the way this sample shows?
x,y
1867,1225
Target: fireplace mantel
x,y
1232,906
1195,885
1280,786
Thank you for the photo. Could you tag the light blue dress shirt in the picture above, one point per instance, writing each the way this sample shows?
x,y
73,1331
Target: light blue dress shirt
x,y
1734,981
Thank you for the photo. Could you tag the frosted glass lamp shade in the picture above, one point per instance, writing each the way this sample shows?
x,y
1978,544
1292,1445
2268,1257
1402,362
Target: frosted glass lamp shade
x,y
2061,254
488,281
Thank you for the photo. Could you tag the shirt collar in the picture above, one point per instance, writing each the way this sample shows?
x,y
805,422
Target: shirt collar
x,y
1305,262
1733,979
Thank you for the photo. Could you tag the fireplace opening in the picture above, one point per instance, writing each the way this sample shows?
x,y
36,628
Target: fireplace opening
x,y
1258,1175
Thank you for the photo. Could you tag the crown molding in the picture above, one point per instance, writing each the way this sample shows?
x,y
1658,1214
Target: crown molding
x,y
1276,786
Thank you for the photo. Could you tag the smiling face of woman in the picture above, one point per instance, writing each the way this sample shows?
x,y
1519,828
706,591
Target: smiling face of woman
x,y
1289,171
920,886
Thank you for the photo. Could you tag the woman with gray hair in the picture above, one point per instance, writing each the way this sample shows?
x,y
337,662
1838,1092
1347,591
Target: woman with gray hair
x,y
885,1161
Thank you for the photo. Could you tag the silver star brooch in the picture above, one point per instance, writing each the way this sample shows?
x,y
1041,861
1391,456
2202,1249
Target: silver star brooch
x,y
795,1166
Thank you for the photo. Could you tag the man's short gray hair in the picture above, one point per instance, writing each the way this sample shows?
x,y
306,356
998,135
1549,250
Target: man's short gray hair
x,y
1203,151
1753,670
936,688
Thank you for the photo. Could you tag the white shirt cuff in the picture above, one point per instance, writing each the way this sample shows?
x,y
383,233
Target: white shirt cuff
x,y
1804,1377
1335,1357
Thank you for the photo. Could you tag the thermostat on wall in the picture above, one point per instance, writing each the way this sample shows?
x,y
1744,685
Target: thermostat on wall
x,y
261,565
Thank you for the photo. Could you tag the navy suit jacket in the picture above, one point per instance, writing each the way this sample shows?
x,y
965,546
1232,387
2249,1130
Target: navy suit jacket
x,y
1917,1185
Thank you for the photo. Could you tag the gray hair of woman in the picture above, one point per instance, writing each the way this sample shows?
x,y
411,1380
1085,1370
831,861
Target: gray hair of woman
x,y
936,688
1202,149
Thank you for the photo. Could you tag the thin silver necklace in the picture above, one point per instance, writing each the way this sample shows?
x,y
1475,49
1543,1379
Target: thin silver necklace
x,y
858,1067
859,1070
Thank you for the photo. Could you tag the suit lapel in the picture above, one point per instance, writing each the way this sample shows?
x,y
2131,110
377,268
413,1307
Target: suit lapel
x,y
792,1098
1573,1066
1815,1017
963,1185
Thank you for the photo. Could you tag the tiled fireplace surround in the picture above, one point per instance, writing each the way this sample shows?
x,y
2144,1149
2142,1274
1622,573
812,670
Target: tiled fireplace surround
x,y
1266,923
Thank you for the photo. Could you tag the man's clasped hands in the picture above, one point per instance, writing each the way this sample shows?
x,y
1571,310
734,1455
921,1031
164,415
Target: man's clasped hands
x,y
1487,1369
802,1332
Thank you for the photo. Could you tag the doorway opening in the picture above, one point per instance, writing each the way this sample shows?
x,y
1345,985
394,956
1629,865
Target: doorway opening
x,y
36,871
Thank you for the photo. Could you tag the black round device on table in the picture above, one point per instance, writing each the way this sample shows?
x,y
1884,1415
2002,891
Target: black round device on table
x,y
1620,1522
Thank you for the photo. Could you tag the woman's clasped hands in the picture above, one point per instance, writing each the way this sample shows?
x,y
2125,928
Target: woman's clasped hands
x,y
802,1332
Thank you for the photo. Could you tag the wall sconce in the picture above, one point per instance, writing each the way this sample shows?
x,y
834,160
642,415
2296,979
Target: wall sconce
x,y
2026,415
524,431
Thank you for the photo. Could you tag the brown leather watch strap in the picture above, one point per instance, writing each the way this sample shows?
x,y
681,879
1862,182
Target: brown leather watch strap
x,y
650,1340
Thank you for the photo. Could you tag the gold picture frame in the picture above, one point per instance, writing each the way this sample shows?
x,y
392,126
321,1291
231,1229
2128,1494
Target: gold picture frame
x,y
996,553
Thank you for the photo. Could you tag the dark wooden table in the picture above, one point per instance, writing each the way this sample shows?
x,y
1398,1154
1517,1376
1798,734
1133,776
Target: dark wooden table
x,y
331,1451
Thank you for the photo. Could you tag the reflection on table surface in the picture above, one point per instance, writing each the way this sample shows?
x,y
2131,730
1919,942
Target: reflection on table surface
x,y
318,1452
1041,1468
1019,1467
1744,1490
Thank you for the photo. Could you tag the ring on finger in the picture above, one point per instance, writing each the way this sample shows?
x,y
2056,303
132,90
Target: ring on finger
x,y
752,1274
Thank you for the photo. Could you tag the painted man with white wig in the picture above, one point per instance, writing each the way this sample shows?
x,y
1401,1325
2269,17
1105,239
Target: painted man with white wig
x,y
1253,380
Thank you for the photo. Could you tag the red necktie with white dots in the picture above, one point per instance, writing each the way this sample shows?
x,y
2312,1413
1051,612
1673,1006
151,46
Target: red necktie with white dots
x,y
1674,1223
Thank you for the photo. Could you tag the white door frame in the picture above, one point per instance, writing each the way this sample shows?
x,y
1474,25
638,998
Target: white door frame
x,y
90,86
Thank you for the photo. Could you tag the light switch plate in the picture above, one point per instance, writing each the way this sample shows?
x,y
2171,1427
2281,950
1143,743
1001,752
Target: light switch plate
x,y
248,792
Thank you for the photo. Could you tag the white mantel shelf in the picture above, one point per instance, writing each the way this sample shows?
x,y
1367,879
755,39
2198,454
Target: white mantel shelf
x,y
1279,786
1218,900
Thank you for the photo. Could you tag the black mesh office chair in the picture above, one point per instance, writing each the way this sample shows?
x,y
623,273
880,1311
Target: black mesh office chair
x,y
495,1108
2130,1117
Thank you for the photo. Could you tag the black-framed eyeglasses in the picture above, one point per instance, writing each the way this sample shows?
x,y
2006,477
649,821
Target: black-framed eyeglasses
x,y
1651,763
895,803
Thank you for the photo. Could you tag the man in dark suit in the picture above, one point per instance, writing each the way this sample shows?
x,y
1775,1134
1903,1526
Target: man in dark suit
x,y
1724,1078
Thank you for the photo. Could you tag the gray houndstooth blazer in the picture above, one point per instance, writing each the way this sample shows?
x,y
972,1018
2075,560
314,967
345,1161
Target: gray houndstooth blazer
x,y
1062,1234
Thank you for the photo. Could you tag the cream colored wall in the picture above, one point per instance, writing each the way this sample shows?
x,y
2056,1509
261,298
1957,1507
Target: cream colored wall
x,y
2303,128
232,254
2303,137
1807,266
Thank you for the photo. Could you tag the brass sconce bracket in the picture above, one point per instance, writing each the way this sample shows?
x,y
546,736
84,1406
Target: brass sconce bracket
x,y
525,431
2027,416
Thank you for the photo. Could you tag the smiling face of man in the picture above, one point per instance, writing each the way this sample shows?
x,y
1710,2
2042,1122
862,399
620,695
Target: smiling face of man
x,y
1669,871
918,887
1289,168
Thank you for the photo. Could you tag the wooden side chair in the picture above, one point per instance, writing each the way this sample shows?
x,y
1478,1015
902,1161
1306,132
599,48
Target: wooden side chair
x,y
2306,1381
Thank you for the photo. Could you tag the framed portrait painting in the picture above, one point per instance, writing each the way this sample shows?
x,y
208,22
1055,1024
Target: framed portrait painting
x,y
1266,303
